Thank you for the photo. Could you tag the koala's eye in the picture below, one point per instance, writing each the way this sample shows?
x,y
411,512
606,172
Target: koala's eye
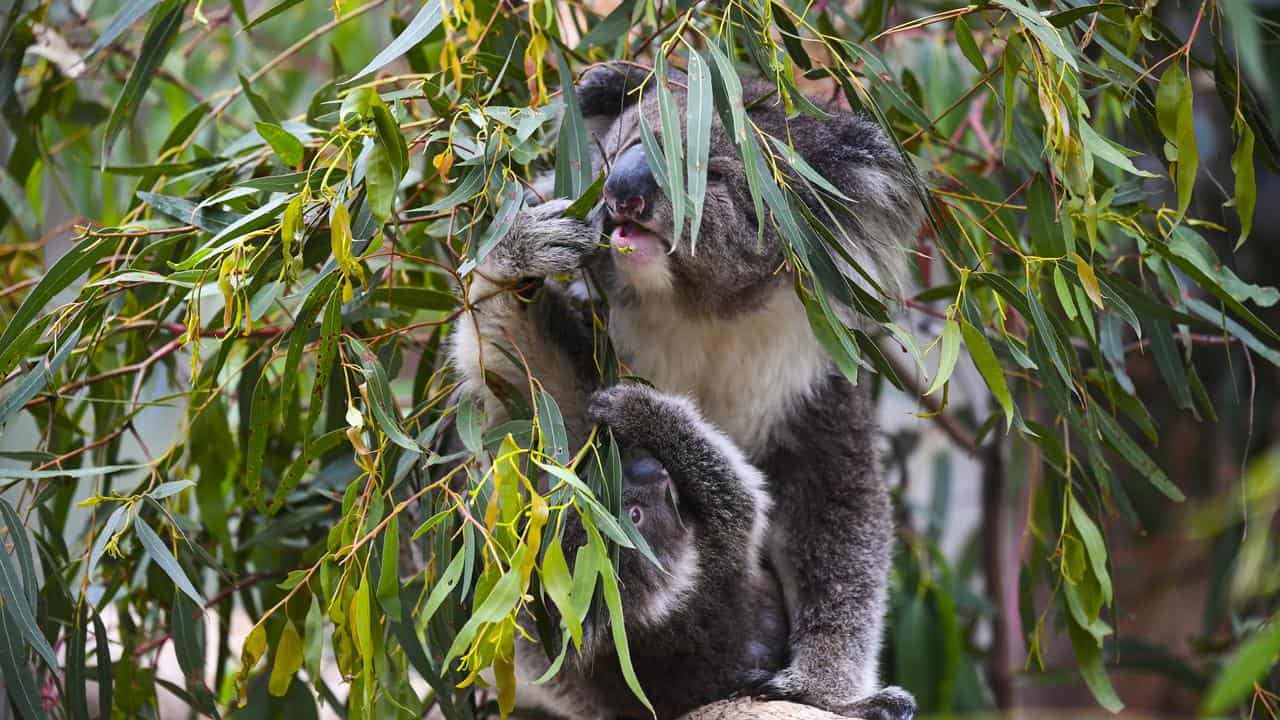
x,y
637,515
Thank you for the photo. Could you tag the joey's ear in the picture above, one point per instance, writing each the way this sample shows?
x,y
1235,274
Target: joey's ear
x,y
606,90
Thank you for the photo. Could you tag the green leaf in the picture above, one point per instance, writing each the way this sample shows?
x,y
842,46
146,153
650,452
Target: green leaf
x,y
269,13
20,684
389,575
106,682
184,617
164,490
1169,362
209,219
156,550
113,524
390,137
289,655
20,613
427,19
587,201
1094,544
125,17
698,124
573,149
282,142
381,182
65,271
497,605
1175,116
15,198
34,380
417,298
947,356
969,46
1247,666
1110,151
1089,659
443,587
471,424
17,534
77,698
293,474
984,358
617,625
1115,436
155,46
380,397
610,28
1046,33
559,585
260,416
512,203
555,440
1246,185
672,147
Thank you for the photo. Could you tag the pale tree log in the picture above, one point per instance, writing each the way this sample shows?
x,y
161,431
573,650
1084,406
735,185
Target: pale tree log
x,y
751,709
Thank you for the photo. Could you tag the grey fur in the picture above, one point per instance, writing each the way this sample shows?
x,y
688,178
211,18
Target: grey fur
x,y
727,632
783,402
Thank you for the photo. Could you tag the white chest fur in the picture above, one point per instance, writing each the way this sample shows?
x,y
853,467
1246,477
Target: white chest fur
x,y
746,374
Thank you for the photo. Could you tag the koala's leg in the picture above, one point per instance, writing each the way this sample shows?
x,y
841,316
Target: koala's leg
x,y
501,332
711,474
831,544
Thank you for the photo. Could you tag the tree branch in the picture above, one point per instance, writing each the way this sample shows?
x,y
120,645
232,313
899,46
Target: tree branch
x,y
751,709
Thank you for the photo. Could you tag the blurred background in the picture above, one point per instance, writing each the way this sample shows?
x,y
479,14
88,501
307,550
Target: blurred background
x,y
1191,578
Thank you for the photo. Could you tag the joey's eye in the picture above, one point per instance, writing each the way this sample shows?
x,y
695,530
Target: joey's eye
x,y
637,515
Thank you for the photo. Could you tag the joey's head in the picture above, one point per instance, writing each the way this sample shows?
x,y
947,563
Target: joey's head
x,y
736,261
728,265
650,502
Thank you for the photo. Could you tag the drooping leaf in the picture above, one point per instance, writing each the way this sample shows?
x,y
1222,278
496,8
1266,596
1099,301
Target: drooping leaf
x,y
155,46
426,20
160,554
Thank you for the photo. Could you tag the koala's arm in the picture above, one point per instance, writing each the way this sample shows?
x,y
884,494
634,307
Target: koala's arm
x,y
716,484
501,330
831,543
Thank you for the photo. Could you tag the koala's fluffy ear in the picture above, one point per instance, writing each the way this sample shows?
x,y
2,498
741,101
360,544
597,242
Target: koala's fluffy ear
x,y
857,156
606,90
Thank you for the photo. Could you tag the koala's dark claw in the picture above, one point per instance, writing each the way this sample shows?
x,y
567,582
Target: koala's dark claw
x,y
777,686
891,703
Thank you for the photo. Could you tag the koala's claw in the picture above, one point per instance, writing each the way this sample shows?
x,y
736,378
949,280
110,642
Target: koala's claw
x,y
891,703
619,406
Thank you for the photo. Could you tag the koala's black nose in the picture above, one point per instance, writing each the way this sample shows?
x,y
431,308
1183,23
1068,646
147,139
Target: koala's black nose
x,y
645,471
630,189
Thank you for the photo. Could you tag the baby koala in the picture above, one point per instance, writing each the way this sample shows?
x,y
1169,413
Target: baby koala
x,y
710,623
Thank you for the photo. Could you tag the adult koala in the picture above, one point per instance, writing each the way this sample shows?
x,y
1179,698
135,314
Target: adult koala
x,y
723,326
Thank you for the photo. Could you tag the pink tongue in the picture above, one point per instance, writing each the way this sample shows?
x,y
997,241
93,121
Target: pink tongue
x,y
627,239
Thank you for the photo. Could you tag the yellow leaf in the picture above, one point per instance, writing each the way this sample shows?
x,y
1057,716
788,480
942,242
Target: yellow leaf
x,y
288,660
1089,280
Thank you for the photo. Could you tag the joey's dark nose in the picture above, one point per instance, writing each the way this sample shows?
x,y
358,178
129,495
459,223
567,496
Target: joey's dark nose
x,y
630,189
645,471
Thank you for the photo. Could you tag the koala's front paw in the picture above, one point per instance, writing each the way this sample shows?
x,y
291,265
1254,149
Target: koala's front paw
x,y
627,408
543,242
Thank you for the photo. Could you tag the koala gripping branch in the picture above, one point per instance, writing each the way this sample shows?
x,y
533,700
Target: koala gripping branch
x,y
749,709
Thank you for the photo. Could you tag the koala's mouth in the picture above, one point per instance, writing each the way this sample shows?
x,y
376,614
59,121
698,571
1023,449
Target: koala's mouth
x,y
637,242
